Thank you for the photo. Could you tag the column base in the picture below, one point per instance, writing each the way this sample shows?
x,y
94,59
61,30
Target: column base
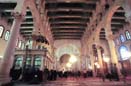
x,y
4,79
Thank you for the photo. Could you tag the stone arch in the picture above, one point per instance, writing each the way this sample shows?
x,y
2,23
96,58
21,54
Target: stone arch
x,y
109,16
36,16
67,49
104,43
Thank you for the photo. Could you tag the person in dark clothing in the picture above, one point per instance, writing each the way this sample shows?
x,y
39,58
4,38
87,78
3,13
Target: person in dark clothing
x,y
45,74
12,73
114,73
109,76
15,73
37,77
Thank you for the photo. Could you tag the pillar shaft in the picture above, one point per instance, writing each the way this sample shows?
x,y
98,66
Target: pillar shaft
x,y
92,64
9,52
100,59
114,58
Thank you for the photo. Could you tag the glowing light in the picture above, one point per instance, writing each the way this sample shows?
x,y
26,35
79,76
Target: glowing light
x,y
68,65
97,65
72,59
1,57
125,54
106,59
90,67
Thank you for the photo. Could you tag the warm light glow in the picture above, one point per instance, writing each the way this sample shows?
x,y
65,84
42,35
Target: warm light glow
x,y
72,59
68,65
68,1
97,65
1,57
106,59
90,67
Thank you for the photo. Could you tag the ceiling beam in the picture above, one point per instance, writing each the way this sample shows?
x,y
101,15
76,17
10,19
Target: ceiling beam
x,y
117,17
25,22
70,1
68,30
67,38
27,27
67,33
68,16
69,23
72,9
83,22
8,1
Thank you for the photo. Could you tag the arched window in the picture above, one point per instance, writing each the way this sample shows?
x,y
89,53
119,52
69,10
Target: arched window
x,y
7,34
124,53
18,61
1,30
37,62
30,44
117,41
20,43
128,36
122,38
28,62
23,46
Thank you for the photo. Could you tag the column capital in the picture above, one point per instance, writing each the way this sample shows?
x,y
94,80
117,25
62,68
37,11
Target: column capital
x,y
18,15
20,9
98,47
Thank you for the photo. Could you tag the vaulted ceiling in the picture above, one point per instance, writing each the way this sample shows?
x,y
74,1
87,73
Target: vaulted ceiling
x,y
68,19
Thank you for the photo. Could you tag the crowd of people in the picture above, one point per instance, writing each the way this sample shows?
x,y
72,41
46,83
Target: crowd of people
x,y
35,75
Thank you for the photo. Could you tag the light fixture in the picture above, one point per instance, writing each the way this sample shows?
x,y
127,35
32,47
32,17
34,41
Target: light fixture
x,y
126,54
68,65
90,67
106,59
97,65
72,59
1,57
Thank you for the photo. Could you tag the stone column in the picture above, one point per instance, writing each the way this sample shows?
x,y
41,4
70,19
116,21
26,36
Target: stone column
x,y
100,60
9,52
92,64
114,57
